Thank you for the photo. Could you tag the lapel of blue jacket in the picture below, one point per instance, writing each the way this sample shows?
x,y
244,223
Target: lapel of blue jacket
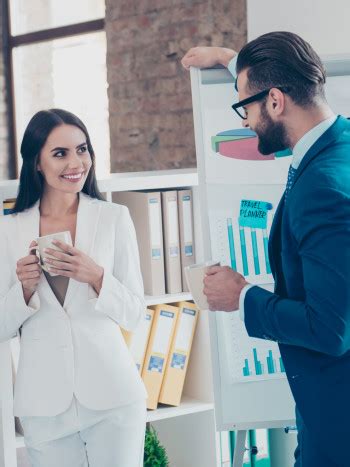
x,y
332,134
328,138
273,239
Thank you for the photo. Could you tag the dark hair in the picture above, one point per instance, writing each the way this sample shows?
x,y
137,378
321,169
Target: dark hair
x,y
39,128
283,59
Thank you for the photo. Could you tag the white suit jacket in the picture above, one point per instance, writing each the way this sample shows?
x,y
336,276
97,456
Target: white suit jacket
x,y
78,348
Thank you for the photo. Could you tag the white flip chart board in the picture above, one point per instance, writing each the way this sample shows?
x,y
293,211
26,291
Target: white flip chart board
x,y
239,192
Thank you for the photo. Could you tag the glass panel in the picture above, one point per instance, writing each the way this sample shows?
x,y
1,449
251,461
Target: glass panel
x,y
67,73
35,15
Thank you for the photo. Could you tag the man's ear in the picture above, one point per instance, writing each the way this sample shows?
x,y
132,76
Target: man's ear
x,y
278,101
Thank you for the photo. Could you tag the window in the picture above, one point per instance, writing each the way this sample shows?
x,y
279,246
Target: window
x,y
35,15
60,61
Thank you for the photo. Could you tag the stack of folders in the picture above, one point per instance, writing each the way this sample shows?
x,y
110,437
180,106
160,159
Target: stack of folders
x,y
180,349
145,210
8,205
137,341
165,235
161,347
186,224
158,349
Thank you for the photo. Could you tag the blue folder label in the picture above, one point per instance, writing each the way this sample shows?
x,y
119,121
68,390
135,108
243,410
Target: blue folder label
x,y
156,364
189,311
174,251
156,253
168,314
188,250
178,361
186,198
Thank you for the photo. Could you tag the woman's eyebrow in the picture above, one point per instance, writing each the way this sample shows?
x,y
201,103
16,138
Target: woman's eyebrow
x,y
66,149
59,149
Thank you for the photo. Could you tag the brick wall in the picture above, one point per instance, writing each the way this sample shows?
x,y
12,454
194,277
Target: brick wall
x,y
150,108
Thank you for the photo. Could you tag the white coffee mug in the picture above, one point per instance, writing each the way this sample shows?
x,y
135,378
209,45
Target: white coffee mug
x,y
46,242
195,276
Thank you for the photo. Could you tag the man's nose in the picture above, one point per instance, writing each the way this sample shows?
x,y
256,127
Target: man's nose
x,y
245,123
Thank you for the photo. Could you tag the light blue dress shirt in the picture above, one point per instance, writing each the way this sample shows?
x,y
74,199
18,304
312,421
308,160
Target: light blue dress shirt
x,y
299,151
232,66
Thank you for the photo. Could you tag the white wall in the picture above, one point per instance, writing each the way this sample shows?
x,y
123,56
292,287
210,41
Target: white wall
x,y
324,24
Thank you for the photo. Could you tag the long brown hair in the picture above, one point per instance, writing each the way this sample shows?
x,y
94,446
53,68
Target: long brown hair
x,y
31,181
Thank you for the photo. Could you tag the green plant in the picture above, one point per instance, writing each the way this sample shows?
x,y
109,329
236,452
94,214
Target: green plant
x,y
155,454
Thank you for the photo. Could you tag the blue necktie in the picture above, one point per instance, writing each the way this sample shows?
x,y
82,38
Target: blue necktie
x,y
291,176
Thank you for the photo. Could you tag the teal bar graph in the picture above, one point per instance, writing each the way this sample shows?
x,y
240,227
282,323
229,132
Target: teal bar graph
x,y
269,369
261,361
271,365
243,251
231,244
255,252
258,366
247,248
246,371
266,252
282,366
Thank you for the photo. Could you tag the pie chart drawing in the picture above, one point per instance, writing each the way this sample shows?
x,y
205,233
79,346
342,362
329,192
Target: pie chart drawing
x,y
242,144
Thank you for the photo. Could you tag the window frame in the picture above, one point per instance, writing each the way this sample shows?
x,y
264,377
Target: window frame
x,y
10,42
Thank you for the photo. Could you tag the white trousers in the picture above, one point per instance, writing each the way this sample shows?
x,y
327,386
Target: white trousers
x,y
117,440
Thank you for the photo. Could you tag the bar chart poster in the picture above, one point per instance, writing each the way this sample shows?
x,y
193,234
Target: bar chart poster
x,y
244,358
240,223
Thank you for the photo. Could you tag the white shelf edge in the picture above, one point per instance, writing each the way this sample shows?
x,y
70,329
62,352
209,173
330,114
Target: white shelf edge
x,y
127,181
19,441
187,406
168,298
149,180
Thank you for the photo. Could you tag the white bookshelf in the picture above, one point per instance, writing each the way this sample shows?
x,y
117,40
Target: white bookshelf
x,y
188,431
188,406
168,298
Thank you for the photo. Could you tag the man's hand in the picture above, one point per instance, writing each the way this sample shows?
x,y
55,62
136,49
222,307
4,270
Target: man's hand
x,y
223,286
206,57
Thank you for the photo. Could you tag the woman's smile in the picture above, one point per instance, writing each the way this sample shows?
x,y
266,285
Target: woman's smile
x,y
73,177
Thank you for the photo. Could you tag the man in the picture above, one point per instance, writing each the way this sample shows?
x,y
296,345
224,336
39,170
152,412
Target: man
x,y
280,81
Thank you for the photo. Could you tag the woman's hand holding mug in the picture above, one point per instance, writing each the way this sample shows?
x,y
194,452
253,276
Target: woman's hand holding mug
x,y
73,263
28,272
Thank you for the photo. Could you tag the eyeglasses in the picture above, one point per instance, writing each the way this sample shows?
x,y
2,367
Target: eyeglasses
x,y
256,97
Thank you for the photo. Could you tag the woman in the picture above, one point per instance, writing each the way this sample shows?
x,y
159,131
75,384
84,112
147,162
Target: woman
x,y
78,394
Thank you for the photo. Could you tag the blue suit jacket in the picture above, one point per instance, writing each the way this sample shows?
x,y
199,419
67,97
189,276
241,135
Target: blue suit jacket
x,y
309,313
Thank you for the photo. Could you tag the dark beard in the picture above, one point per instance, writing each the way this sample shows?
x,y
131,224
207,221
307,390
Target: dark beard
x,y
272,136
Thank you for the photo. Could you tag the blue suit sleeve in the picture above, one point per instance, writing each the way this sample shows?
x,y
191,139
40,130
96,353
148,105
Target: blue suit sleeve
x,y
320,224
